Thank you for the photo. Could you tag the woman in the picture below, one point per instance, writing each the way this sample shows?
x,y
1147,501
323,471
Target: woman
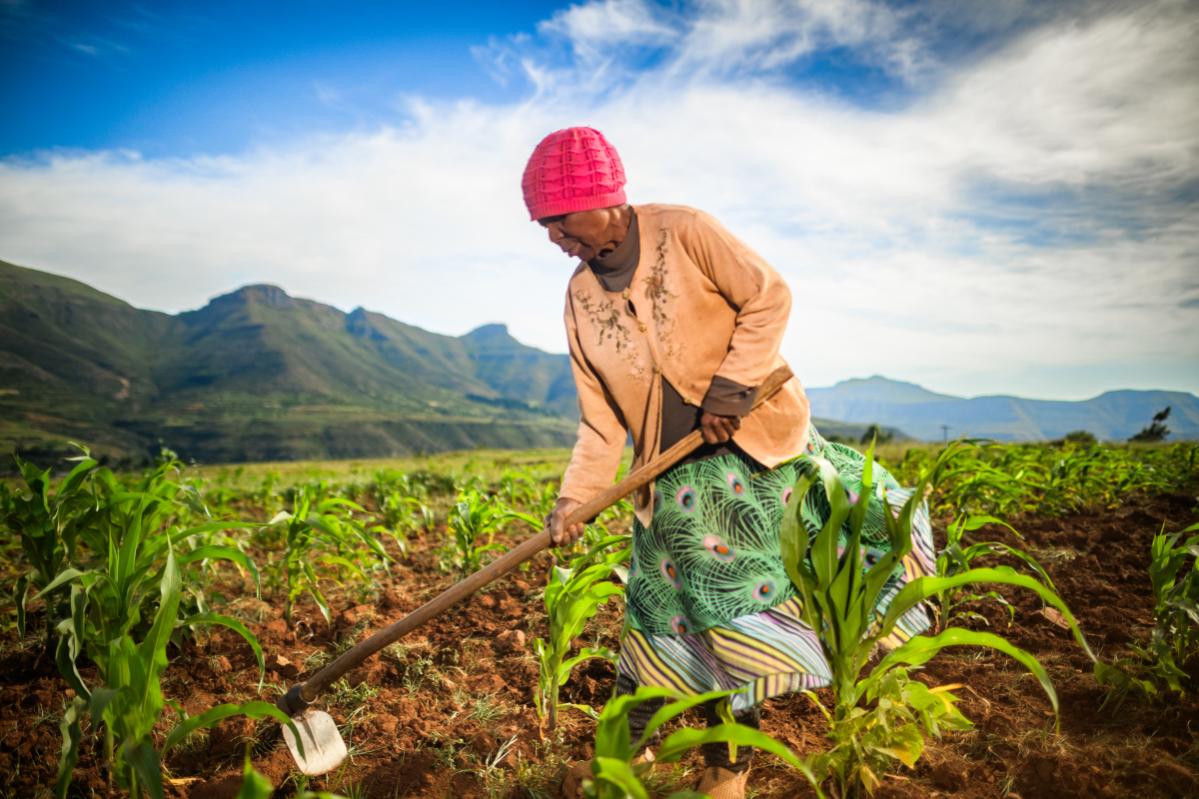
x,y
672,323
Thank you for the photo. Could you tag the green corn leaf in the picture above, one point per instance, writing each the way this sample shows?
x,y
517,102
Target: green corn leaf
x,y
992,547
620,774
142,758
151,655
585,654
77,475
923,588
586,710
255,709
253,784
20,595
919,650
612,732
72,734
344,562
216,552
101,698
794,541
234,625
675,708
70,643
62,578
684,740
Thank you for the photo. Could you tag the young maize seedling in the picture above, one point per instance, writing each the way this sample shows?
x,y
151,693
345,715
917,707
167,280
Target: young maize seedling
x,y
317,536
840,595
1173,648
572,598
957,558
47,521
617,775
128,702
474,520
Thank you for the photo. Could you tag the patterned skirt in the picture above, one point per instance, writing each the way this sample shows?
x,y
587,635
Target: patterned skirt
x,y
709,605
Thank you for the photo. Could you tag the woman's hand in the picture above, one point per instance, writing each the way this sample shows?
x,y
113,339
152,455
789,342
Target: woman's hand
x,y
560,535
718,429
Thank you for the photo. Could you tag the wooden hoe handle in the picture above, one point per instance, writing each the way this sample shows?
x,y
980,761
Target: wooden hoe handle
x,y
299,697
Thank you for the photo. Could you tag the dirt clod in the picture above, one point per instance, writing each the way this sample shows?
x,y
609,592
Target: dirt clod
x,y
282,666
510,642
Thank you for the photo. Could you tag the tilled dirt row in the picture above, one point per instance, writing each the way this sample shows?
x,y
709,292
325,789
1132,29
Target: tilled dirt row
x,y
449,711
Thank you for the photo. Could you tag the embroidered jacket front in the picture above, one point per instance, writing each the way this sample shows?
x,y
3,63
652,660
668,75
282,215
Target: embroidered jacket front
x,y
701,305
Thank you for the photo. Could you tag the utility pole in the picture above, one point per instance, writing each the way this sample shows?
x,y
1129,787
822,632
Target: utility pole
x,y
945,432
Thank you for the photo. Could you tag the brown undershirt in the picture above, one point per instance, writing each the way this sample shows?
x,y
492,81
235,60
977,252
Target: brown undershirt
x,y
725,398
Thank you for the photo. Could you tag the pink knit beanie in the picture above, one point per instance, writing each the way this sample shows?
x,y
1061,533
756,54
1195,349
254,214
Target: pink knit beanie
x,y
574,169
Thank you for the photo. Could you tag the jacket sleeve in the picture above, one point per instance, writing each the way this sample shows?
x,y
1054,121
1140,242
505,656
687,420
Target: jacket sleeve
x,y
602,432
758,294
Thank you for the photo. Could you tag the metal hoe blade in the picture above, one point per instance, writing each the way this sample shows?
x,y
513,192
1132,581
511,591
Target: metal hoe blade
x,y
323,747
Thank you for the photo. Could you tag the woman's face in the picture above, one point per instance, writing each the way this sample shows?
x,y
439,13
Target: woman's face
x,y
583,234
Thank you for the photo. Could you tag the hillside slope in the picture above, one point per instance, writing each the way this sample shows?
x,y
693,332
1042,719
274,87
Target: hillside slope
x,y
1113,415
259,374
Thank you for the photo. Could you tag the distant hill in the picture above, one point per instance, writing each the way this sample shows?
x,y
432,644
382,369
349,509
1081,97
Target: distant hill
x,y
1113,415
257,374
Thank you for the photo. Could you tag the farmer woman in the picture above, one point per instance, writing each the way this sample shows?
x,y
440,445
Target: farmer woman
x,y
672,323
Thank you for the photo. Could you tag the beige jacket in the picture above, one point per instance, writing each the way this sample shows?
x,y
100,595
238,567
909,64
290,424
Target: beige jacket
x,y
701,304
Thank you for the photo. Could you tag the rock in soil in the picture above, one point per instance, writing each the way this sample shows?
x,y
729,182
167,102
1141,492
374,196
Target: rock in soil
x,y
282,666
510,642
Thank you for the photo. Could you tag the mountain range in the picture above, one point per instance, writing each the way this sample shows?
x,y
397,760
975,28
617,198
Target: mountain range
x,y
923,414
257,374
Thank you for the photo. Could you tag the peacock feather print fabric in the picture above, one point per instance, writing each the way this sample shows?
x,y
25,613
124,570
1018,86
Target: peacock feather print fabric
x,y
709,604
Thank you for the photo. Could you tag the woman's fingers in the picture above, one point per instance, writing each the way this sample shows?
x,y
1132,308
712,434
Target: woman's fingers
x,y
718,429
561,535
565,536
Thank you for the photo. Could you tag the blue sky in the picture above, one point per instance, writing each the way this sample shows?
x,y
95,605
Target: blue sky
x,y
171,78
982,197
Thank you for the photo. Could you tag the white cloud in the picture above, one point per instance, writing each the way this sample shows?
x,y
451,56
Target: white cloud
x,y
896,228
596,30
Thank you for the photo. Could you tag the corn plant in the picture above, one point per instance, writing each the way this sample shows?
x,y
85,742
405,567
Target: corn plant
x,y
617,775
403,517
266,496
47,521
316,537
572,597
958,557
1173,647
1001,479
128,702
882,716
473,520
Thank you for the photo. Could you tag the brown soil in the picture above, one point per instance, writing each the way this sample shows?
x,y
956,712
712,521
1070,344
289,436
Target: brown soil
x,y
449,712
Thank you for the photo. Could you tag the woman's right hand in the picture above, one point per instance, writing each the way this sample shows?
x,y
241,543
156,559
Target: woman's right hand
x,y
564,536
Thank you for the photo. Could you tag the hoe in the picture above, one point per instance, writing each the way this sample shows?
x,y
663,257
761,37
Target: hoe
x,y
319,748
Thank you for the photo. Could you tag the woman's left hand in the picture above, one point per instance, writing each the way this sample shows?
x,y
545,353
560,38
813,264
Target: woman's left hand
x,y
718,429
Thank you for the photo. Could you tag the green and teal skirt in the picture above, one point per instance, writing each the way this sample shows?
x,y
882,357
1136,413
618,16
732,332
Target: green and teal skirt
x,y
709,605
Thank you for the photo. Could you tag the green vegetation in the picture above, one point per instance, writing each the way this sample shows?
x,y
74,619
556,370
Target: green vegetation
x,y
618,775
118,550
259,375
1156,430
572,598
1173,648
1005,479
881,715
315,537
118,575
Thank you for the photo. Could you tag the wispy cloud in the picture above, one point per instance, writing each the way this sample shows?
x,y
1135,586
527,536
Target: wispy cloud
x,y
1022,219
